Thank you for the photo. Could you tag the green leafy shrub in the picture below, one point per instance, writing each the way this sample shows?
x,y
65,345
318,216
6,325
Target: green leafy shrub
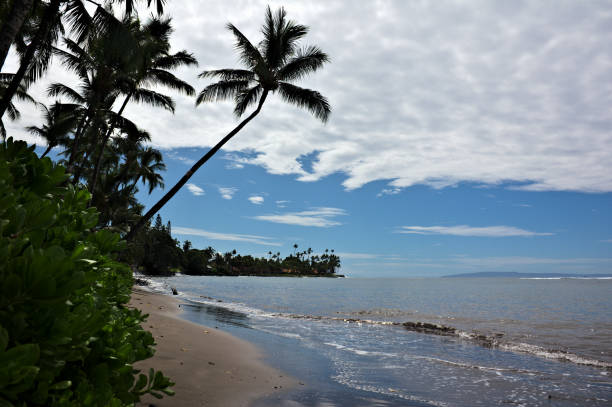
x,y
66,336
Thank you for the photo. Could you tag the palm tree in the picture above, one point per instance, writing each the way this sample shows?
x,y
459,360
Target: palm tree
x,y
152,68
271,67
21,94
46,31
11,25
59,122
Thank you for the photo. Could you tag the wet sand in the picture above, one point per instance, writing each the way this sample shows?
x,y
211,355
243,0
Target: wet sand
x,y
209,367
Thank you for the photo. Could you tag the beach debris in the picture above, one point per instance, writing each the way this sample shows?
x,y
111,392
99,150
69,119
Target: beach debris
x,y
184,349
206,332
211,363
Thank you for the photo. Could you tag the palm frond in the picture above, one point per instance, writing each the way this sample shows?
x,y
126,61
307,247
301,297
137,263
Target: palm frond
x,y
311,100
181,58
305,61
249,54
229,74
59,89
279,37
246,98
165,78
122,123
79,19
153,98
36,131
159,5
12,112
221,90
23,96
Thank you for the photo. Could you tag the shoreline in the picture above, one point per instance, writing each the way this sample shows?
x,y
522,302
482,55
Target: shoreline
x,y
210,367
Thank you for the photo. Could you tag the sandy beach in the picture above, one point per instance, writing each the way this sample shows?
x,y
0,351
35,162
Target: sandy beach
x,y
209,367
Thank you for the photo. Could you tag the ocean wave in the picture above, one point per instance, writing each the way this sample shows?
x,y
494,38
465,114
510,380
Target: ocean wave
x,y
495,340
361,352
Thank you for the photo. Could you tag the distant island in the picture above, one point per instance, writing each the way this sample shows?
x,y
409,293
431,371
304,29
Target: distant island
x,y
513,274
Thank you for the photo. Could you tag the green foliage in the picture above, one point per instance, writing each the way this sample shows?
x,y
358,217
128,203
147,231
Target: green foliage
x,y
154,250
66,335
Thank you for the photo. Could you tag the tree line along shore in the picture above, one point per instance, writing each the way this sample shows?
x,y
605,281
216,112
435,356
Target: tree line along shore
x,y
154,252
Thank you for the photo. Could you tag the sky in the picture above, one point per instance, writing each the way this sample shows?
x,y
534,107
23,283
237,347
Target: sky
x,y
464,137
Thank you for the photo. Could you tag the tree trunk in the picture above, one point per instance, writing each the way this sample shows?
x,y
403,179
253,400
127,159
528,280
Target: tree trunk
x,y
193,169
13,23
49,147
74,150
42,32
96,173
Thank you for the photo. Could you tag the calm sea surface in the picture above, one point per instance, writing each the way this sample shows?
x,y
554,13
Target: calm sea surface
x,y
517,342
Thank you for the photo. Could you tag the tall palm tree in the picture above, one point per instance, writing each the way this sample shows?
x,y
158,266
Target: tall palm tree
x,y
152,68
270,67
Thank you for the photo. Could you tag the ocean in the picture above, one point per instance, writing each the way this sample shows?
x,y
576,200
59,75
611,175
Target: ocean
x,y
419,342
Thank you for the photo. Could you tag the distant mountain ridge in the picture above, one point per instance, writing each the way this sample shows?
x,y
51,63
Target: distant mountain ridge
x,y
513,274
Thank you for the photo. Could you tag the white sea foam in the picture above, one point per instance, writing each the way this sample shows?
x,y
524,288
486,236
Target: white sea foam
x,y
360,352
553,354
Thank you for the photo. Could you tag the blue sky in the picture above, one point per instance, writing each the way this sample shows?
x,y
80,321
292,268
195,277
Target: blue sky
x,y
464,228
465,136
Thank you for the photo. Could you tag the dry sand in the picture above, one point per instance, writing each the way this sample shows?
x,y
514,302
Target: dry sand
x,y
209,367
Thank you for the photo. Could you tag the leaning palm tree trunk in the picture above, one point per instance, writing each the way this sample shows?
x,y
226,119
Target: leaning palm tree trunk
x,y
42,32
13,23
193,169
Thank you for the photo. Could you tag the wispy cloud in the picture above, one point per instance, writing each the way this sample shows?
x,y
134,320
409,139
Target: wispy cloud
x,y
234,237
316,217
606,241
227,192
174,156
465,230
282,203
357,256
389,191
256,199
194,189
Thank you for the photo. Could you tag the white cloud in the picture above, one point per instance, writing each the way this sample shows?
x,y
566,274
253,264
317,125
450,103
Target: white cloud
x,y
257,200
227,192
261,240
448,105
316,217
606,241
282,203
194,189
464,230
389,191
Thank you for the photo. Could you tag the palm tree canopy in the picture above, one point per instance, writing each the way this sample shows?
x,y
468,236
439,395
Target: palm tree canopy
x,y
271,66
